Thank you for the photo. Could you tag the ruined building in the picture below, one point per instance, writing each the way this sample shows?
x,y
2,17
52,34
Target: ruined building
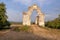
x,y
27,16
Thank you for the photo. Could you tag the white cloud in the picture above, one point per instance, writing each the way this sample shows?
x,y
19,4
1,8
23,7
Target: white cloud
x,y
41,1
50,16
45,2
17,16
14,15
25,2
30,2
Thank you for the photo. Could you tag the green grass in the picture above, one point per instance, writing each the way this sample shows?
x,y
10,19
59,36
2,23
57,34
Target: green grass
x,y
23,28
16,29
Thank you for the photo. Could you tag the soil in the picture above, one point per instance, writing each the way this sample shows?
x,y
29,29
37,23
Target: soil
x,y
35,33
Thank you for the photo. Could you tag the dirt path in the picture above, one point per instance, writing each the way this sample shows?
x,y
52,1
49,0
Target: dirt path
x,y
37,33
21,36
45,33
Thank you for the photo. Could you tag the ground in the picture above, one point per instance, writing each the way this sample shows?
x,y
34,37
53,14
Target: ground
x,y
35,33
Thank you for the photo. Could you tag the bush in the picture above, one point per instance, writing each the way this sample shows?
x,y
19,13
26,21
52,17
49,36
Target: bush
x,y
5,25
53,24
16,29
23,28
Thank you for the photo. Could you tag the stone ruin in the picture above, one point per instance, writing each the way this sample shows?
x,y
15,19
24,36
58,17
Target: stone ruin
x,y
27,16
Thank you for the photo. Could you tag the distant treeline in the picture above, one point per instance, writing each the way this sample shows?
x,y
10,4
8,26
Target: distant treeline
x,y
16,22
54,23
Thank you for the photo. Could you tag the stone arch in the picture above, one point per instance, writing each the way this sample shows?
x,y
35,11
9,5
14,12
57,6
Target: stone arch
x,y
32,8
39,18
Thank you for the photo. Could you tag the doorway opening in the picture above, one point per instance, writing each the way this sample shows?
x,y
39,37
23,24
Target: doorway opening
x,y
33,17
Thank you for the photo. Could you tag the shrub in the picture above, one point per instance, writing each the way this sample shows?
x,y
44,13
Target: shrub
x,y
16,29
25,28
5,25
53,24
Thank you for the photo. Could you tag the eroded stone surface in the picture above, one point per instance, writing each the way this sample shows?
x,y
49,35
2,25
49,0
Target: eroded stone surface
x,y
27,16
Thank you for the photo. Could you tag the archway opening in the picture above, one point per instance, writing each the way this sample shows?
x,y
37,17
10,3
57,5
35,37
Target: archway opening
x,y
34,16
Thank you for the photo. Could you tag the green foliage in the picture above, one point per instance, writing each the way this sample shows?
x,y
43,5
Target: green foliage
x,y
23,28
54,24
3,17
5,25
17,29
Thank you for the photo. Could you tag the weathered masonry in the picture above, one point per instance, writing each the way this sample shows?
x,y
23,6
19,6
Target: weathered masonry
x,y
39,18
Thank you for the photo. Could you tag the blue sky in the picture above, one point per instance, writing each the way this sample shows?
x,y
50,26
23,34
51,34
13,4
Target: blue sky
x,y
15,8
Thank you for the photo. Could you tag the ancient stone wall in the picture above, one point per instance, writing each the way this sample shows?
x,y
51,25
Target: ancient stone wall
x,y
27,16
